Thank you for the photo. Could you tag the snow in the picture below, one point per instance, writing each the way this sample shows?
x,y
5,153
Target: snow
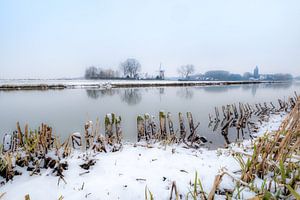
x,y
106,84
125,174
7,142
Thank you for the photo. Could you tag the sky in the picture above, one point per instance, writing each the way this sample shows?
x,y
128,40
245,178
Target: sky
x,y
54,39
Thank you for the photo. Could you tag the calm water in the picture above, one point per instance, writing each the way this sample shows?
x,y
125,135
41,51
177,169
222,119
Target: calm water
x,y
67,110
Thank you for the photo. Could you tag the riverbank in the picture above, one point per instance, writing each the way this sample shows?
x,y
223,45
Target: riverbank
x,y
125,174
7,85
141,170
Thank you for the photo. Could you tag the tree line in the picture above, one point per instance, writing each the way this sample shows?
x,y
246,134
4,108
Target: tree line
x,y
187,73
129,69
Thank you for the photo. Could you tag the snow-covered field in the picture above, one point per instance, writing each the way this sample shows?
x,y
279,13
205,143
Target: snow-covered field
x,y
82,83
125,174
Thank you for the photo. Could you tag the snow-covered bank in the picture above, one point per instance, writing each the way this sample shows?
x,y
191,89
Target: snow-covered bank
x,y
74,84
125,174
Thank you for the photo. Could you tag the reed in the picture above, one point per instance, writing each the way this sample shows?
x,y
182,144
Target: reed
x,y
274,156
33,149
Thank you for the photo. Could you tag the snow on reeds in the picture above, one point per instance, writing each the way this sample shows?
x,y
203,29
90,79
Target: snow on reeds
x,y
99,166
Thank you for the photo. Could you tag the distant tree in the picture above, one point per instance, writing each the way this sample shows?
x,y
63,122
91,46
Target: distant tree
x,y
91,73
99,73
130,68
282,77
218,75
235,77
277,77
247,75
186,70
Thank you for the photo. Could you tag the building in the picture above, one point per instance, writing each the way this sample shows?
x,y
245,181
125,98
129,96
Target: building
x,y
256,73
161,74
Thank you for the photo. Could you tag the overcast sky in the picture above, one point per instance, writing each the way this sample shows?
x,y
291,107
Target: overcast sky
x,y
55,38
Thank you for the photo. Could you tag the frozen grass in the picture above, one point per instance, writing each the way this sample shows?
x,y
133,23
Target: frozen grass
x,y
135,171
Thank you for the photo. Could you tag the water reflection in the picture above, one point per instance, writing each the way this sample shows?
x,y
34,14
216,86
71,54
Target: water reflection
x,y
246,87
131,96
68,109
254,89
186,93
95,94
275,86
161,91
216,89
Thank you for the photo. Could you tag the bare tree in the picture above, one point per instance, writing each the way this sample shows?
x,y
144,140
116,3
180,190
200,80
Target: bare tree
x,y
186,70
91,73
130,67
100,73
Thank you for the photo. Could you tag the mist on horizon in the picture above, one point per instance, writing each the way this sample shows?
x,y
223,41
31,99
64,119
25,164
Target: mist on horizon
x,y
56,39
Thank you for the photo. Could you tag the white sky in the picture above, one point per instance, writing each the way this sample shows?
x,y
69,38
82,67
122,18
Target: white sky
x,y
53,39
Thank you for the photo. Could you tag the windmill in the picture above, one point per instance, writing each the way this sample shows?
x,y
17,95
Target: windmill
x,y
161,73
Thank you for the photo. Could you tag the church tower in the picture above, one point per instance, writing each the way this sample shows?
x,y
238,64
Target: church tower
x,y
256,73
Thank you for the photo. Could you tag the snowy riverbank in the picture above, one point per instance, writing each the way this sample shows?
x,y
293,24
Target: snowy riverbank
x,y
82,83
125,174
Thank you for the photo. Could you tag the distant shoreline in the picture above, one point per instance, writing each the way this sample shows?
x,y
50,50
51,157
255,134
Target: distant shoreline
x,y
106,84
